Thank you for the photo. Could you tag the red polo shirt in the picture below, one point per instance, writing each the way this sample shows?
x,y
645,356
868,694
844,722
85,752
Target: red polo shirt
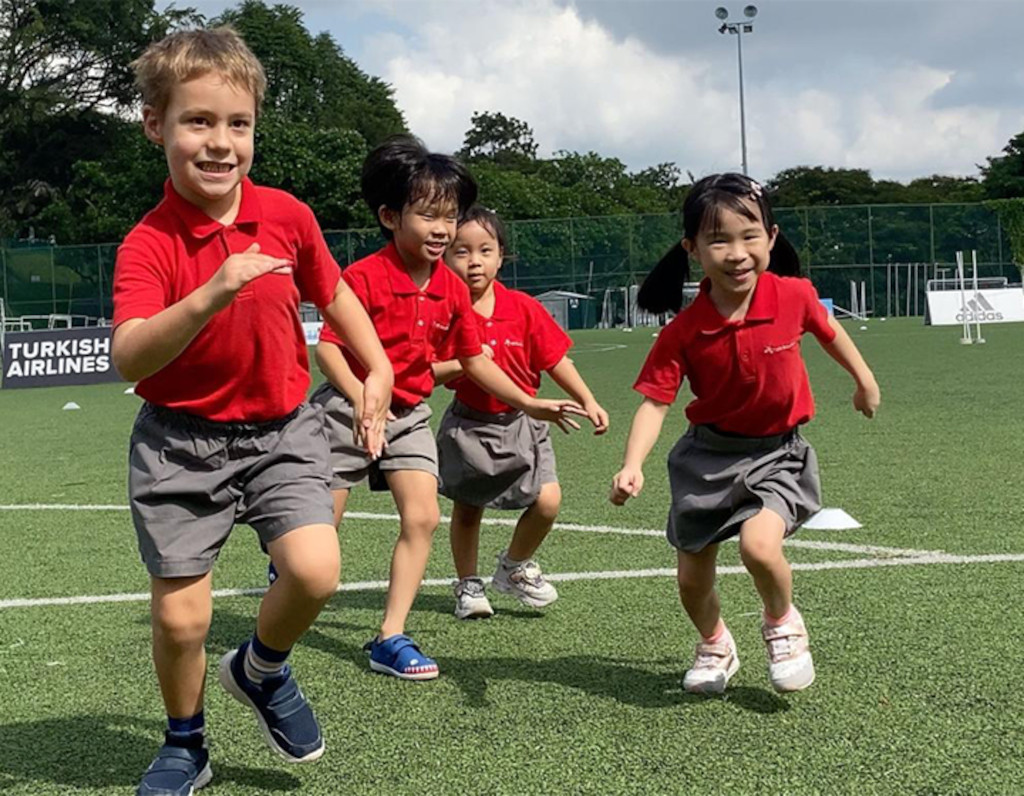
x,y
747,376
249,363
526,341
411,323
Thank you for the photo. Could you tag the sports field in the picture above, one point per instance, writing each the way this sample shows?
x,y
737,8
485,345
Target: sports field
x,y
915,619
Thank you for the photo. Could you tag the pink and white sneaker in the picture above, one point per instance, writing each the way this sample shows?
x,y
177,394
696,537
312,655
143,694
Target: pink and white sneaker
x,y
790,666
715,663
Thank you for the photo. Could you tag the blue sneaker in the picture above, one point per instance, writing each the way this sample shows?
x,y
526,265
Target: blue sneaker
x,y
176,771
284,715
400,657
271,573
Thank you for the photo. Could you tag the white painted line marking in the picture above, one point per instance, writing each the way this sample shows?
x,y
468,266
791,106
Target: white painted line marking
x,y
597,349
375,585
809,544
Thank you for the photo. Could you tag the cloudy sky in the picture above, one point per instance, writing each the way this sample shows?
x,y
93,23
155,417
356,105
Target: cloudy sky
x,y
905,88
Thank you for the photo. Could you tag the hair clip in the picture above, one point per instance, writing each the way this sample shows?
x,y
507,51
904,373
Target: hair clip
x,y
756,189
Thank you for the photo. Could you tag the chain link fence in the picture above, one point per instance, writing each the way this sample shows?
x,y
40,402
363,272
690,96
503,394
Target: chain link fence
x,y
892,249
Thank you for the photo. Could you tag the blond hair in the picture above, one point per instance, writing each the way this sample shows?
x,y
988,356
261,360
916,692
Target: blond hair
x,y
189,54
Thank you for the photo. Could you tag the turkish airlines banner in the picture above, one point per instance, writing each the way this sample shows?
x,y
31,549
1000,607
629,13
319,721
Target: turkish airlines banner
x,y
58,357
1001,305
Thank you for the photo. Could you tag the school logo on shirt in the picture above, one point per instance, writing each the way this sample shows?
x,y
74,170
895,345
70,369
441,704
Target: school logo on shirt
x,y
775,349
514,343
441,326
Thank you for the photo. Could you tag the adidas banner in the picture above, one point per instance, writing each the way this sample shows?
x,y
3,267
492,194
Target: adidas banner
x,y
949,307
57,357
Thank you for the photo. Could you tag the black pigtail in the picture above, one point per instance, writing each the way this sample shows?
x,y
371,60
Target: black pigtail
x,y
662,290
784,260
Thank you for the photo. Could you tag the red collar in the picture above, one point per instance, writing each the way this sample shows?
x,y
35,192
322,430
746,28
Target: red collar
x,y
763,306
401,282
198,224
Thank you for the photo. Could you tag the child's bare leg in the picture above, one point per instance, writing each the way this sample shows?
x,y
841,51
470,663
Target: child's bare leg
x,y
415,493
340,497
696,576
535,523
180,611
465,538
761,550
307,562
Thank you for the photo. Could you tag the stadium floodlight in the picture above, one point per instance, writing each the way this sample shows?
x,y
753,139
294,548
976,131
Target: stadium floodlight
x,y
739,28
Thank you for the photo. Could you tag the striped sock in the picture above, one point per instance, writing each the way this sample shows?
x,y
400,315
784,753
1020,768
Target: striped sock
x,y
262,662
186,732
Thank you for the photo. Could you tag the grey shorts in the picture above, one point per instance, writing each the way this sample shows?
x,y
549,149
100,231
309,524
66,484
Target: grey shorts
x,y
719,481
410,441
494,461
191,479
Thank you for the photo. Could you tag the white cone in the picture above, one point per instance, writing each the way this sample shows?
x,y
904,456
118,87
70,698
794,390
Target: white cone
x,y
130,391
71,405
831,520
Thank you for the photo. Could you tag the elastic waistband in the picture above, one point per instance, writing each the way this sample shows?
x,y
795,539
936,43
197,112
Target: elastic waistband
x,y
328,389
711,437
459,409
202,425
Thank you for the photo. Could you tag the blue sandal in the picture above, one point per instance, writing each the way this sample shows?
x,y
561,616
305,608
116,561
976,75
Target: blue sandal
x,y
400,657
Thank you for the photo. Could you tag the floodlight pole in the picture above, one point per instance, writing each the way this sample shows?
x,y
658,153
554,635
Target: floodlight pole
x,y
738,29
743,114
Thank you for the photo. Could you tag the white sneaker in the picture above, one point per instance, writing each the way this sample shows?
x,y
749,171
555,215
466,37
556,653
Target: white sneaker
x,y
790,666
523,581
470,600
713,666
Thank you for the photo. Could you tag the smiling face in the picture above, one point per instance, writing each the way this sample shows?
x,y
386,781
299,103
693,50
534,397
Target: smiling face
x,y
733,252
423,230
206,131
475,255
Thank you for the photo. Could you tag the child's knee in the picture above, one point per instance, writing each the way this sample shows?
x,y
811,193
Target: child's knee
x,y
316,576
180,625
694,585
549,502
759,552
420,521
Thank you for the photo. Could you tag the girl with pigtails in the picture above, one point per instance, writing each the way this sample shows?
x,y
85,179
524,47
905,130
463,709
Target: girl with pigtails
x,y
742,467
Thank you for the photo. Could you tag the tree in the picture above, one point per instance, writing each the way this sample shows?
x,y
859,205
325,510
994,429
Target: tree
x,y
319,166
817,185
500,138
61,62
310,79
1003,176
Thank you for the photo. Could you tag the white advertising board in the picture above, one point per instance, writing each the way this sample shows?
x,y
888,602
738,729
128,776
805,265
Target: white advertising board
x,y
312,330
947,307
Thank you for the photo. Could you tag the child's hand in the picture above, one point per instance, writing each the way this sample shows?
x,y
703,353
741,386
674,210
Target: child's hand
x,y
597,416
488,351
373,414
866,399
556,412
627,483
239,270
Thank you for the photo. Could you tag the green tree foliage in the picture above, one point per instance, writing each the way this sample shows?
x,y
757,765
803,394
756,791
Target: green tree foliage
x,y
309,78
61,62
319,166
1003,176
499,138
1011,215
814,186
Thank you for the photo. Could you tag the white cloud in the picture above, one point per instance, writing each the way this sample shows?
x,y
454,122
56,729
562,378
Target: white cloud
x,y
581,88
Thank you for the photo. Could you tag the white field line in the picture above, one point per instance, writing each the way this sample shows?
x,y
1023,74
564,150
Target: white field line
x,y
841,547
377,585
599,348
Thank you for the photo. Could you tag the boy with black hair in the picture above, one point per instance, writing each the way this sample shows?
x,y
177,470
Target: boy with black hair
x,y
417,304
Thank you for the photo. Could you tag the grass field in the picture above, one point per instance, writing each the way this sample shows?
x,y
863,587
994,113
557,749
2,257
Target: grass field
x,y
917,645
